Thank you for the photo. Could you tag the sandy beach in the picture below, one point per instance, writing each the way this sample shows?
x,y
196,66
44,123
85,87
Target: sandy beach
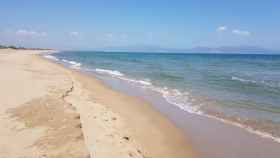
x,y
47,110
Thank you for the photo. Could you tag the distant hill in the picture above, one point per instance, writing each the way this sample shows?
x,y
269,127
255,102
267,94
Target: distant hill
x,y
231,49
224,49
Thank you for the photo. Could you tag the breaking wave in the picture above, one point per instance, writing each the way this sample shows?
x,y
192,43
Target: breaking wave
x,y
51,57
262,82
109,72
73,64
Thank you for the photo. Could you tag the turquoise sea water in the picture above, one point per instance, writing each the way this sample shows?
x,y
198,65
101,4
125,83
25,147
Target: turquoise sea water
x,y
237,88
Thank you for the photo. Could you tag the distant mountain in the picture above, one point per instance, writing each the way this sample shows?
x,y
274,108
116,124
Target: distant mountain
x,y
230,49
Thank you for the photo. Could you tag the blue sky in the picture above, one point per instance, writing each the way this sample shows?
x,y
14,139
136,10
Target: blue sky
x,y
72,24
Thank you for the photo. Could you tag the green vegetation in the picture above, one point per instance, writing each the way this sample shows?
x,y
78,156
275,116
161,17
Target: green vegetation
x,y
15,47
1,47
11,47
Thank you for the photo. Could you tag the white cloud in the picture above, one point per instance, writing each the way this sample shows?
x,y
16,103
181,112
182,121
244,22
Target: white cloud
x,y
241,32
29,33
74,34
234,31
221,28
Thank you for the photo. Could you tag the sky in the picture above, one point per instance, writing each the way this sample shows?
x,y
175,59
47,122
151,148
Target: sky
x,y
95,24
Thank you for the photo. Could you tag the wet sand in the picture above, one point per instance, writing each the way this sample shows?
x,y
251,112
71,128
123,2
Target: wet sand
x,y
47,110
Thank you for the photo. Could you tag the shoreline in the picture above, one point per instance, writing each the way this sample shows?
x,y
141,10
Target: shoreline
x,y
210,137
111,124
197,128
148,124
247,125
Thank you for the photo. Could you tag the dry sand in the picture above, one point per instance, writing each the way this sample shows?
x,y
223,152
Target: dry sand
x,y
47,110
35,119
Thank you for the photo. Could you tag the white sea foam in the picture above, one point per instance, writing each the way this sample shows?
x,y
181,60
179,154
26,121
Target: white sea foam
x,y
109,72
121,76
51,57
262,82
73,64
242,80
140,82
173,96
177,98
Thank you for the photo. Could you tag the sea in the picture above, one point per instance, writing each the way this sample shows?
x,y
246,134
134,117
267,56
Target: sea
x,y
237,88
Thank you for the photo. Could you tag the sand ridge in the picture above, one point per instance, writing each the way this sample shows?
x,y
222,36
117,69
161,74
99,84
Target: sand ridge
x,y
35,120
